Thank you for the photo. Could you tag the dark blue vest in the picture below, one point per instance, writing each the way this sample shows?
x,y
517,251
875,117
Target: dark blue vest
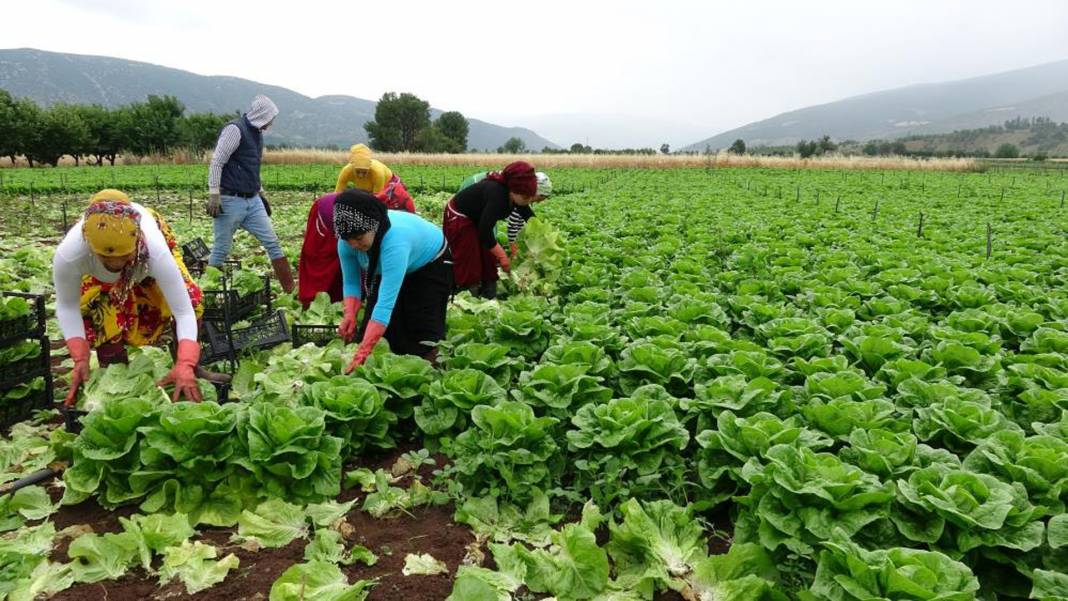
x,y
242,172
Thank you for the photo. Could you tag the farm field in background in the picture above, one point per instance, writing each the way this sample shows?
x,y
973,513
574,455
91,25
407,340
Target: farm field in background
x,y
729,384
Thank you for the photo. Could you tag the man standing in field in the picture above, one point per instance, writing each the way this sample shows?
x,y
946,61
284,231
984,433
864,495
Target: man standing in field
x,y
235,193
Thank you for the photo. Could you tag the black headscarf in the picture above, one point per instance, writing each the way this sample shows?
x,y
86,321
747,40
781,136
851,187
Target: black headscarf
x,y
355,213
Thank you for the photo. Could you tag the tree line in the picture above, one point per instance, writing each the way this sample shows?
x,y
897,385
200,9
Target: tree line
x,y
94,133
402,124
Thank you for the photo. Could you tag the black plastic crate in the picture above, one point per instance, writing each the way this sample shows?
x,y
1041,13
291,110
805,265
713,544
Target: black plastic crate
x,y
231,306
269,331
19,372
195,251
319,335
26,326
13,411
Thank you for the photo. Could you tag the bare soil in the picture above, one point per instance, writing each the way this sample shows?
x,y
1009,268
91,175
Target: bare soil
x,y
427,530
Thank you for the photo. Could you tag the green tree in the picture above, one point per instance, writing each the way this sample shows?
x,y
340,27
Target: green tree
x,y
738,147
59,131
155,125
19,121
108,130
454,127
825,145
578,148
514,145
398,121
665,149
431,139
200,131
1007,151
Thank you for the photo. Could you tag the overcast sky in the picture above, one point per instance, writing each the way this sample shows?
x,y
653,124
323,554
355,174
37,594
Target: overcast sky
x,y
709,65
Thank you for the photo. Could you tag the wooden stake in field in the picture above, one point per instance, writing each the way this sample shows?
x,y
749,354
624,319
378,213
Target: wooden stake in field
x,y
836,203
989,239
919,230
875,211
1062,199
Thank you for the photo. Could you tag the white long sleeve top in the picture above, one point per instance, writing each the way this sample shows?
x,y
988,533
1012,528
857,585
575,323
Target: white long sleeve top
x,y
74,259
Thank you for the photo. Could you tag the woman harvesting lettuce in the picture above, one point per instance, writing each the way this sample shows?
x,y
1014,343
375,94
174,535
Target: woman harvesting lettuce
x,y
520,214
471,217
119,281
409,279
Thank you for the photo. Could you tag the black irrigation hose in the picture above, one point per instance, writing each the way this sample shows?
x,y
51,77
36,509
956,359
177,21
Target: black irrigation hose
x,y
37,477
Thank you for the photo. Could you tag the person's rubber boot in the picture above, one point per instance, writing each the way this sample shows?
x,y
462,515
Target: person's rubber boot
x,y
432,357
488,290
284,273
111,353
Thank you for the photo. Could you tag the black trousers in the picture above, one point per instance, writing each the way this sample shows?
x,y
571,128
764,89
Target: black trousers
x,y
419,314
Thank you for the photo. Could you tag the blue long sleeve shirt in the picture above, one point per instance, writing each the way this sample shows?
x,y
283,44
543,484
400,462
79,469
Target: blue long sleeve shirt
x,y
410,244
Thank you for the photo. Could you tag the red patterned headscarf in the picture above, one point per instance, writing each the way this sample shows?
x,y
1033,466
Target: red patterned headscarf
x,y
518,176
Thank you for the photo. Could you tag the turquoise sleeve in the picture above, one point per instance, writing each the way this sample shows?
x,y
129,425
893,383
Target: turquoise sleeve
x,y
350,269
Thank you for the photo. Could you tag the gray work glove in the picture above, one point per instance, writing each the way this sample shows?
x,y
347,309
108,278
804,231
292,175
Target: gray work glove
x,y
266,205
214,205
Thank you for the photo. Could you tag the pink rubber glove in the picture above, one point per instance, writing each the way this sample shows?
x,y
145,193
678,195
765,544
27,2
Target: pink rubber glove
x,y
513,250
374,333
502,259
79,351
183,376
347,329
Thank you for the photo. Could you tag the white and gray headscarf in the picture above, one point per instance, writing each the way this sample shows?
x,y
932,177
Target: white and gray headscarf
x,y
356,212
262,111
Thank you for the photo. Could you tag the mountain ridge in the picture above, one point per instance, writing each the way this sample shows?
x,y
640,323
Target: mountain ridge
x,y
333,120
923,108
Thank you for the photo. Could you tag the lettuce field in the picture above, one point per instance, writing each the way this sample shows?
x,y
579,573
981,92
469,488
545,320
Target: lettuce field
x,y
710,385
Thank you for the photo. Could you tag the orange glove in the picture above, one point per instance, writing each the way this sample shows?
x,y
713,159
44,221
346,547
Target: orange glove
x,y
513,250
347,329
79,351
182,376
502,259
374,333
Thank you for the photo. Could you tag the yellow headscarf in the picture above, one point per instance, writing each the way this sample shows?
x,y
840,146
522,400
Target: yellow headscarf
x,y
360,157
112,227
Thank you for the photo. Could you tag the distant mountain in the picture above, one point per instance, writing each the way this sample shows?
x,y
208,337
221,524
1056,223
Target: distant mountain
x,y
610,130
49,77
1040,91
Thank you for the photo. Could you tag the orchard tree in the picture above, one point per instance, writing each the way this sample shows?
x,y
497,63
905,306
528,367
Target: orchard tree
x,y
738,147
155,125
59,131
397,123
200,131
454,127
514,145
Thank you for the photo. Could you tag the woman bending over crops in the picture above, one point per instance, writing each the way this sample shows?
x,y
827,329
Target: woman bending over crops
x,y
471,217
370,175
319,269
119,280
519,215
409,276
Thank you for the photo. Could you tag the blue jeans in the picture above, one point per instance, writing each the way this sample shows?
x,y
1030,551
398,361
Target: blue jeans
x,y
248,214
